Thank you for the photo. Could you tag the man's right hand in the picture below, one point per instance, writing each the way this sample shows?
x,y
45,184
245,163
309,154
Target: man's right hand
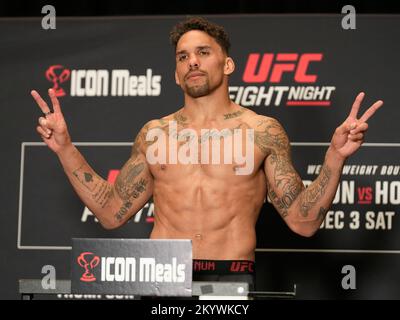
x,y
52,127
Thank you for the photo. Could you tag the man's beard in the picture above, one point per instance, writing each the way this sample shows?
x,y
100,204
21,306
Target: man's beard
x,y
198,91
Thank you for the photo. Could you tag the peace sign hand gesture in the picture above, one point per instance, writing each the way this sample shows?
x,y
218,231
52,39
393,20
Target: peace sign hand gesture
x,y
349,136
52,127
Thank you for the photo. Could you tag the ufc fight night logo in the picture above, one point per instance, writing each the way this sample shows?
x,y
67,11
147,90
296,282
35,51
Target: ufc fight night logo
x,y
264,70
284,62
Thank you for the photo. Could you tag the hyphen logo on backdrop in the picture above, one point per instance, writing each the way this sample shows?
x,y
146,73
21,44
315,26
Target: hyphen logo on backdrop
x,y
88,261
103,83
269,68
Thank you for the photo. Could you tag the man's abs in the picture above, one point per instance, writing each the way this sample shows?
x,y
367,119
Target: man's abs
x,y
218,215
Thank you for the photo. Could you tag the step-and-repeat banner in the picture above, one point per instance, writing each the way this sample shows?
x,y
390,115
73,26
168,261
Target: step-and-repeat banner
x,y
112,75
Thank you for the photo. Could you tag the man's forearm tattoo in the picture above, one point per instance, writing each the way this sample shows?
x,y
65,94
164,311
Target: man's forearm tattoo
x,y
123,211
101,191
104,194
315,192
137,189
85,178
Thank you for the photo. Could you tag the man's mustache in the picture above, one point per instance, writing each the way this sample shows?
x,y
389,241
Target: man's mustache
x,y
195,73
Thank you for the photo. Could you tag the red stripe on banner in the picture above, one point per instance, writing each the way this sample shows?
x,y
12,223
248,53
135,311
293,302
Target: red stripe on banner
x,y
309,103
112,176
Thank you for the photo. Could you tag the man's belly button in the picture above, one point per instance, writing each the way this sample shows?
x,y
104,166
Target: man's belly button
x,y
198,236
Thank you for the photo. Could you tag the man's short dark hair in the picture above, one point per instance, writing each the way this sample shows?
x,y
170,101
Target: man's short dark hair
x,y
201,24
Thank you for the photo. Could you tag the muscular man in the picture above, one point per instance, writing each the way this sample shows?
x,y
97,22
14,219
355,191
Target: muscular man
x,y
208,203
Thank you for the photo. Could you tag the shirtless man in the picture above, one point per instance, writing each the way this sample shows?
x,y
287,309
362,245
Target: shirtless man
x,y
208,203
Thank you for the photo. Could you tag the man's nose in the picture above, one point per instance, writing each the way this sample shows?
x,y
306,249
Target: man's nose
x,y
193,62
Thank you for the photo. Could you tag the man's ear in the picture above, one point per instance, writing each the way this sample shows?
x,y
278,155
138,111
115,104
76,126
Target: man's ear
x,y
177,79
229,66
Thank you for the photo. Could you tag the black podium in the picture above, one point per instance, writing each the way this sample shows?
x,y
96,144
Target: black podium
x,y
30,288
139,268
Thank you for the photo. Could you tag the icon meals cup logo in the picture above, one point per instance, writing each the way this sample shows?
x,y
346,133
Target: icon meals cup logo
x,y
53,74
88,261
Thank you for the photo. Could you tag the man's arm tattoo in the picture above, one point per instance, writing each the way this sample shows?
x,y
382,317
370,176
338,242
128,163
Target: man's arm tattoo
x,y
85,178
138,188
272,139
104,194
269,134
315,192
290,194
125,182
100,189
141,142
128,188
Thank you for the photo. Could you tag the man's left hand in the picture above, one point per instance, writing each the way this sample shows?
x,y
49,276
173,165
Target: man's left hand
x,y
349,136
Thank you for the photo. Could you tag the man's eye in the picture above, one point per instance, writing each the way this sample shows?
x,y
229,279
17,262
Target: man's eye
x,y
182,57
204,52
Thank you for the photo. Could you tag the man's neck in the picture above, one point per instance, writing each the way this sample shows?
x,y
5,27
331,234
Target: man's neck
x,y
207,109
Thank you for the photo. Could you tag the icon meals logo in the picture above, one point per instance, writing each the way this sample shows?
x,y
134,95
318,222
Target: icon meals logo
x,y
102,83
130,269
271,69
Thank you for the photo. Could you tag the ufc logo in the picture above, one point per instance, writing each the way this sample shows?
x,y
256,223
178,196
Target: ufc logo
x,y
284,62
241,266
